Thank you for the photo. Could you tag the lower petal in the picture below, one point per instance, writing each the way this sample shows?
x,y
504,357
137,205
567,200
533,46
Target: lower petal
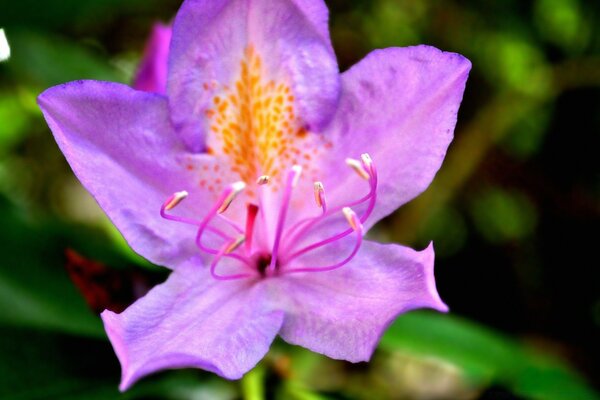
x,y
194,321
343,313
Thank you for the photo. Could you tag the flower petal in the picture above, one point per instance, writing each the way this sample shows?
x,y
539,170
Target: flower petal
x,y
152,73
192,320
212,38
317,13
343,313
121,146
400,106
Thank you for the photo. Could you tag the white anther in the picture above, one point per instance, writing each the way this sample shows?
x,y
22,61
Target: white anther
x,y
175,200
357,167
235,244
263,180
352,219
236,189
367,161
4,47
319,193
297,170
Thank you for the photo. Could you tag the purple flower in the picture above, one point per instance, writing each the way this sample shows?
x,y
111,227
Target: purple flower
x,y
152,73
285,164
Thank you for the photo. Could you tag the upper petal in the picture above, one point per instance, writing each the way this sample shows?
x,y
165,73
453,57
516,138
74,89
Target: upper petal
x,y
317,13
343,313
192,320
212,39
400,106
152,72
122,147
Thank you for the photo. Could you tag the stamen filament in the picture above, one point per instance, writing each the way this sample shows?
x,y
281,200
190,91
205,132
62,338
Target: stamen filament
x,y
231,223
170,204
356,227
292,182
235,244
226,197
372,197
213,266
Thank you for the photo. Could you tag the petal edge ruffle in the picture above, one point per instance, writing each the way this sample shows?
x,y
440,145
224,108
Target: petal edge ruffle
x,y
343,313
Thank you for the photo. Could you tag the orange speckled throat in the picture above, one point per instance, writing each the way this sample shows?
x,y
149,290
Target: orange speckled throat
x,y
253,123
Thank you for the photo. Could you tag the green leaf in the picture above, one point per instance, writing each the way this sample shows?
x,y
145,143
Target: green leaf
x,y
38,365
485,357
35,289
43,60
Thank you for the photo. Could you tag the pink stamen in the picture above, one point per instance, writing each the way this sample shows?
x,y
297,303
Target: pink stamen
x,y
292,181
372,197
231,223
172,202
357,227
213,266
221,205
363,167
320,197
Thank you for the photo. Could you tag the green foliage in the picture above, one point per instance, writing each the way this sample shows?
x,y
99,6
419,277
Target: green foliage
x,y
502,216
35,290
45,60
484,356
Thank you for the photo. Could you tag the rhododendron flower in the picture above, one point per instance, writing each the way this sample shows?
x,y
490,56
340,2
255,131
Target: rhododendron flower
x,y
284,165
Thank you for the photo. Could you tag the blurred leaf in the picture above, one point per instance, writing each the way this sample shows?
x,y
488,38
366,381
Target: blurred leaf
x,y
45,60
14,120
501,215
513,62
447,228
60,13
35,289
527,135
51,366
562,22
484,356
41,365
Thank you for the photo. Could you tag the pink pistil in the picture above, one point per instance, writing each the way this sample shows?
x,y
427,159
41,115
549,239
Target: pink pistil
x,y
250,220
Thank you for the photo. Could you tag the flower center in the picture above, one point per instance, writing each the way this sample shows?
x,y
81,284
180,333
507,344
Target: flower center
x,y
254,126
288,244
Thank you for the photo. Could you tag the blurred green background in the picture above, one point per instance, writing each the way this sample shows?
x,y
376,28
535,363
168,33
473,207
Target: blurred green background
x,y
513,213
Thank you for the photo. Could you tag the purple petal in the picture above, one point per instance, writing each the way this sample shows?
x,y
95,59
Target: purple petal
x,y
121,146
193,320
211,39
400,106
343,313
152,73
317,13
